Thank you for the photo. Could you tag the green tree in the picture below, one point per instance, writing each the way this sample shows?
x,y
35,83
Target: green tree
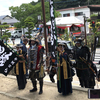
x,y
65,36
95,28
29,23
25,10
3,26
6,35
91,39
18,25
62,4
21,13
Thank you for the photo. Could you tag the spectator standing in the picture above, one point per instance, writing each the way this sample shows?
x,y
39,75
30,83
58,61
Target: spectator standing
x,y
22,37
24,48
13,40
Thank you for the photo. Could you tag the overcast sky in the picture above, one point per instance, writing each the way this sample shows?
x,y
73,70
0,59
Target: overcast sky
x,y
5,4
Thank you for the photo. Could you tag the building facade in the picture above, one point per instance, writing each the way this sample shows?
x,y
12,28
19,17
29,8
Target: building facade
x,y
80,12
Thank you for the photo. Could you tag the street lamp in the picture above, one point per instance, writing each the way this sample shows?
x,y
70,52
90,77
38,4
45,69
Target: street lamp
x,y
39,17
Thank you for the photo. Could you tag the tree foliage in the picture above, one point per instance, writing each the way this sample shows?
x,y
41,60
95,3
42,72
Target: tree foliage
x,y
31,9
97,25
6,35
29,23
91,39
61,4
65,36
3,26
21,13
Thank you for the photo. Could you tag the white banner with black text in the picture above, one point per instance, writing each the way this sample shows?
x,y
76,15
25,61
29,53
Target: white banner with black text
x,y
53,31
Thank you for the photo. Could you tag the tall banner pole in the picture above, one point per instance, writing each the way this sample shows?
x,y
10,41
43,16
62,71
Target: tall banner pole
x,y
44,24
53,35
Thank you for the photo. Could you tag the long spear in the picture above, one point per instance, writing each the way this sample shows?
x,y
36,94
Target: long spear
x,y
85,61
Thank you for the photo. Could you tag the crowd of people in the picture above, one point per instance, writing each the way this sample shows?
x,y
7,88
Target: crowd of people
x,y
32,59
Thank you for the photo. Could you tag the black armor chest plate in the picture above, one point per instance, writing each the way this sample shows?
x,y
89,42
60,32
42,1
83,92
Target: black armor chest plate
x,y
81,53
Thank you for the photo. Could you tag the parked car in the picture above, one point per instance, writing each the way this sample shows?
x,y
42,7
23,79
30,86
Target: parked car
x,y
16,33
33,33
68,47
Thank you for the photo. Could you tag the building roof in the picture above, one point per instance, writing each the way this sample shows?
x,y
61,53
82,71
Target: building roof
x,y
9,21
3,16
66,21
78,7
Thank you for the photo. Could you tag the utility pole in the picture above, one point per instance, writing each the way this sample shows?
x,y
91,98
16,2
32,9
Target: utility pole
x,y
85,30
44,24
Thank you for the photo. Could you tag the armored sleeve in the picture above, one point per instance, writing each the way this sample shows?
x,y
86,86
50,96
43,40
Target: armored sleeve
x,y
41,55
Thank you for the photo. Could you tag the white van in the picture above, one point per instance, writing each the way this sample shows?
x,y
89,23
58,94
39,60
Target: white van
x,y
16,33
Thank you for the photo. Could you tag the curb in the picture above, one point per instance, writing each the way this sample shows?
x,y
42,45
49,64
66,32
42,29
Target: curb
x,y
12,96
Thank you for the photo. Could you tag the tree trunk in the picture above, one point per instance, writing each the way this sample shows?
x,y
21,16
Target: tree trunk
x,y
1,31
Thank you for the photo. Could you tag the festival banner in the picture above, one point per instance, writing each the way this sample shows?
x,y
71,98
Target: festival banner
x,y
53,31
8,59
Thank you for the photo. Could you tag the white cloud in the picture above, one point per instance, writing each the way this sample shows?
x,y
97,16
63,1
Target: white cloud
x,y
5,4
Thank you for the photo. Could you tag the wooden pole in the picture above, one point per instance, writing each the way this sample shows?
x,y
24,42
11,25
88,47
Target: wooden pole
x,y
44,24
85,30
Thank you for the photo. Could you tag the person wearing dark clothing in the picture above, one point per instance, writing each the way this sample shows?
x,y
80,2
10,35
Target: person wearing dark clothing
x,y
64,74
92,75
25,41
22,38
13,40
53,69
20,69
82,53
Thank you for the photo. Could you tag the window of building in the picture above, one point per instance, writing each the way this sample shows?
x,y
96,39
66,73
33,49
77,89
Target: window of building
x,y
78,13
66,15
